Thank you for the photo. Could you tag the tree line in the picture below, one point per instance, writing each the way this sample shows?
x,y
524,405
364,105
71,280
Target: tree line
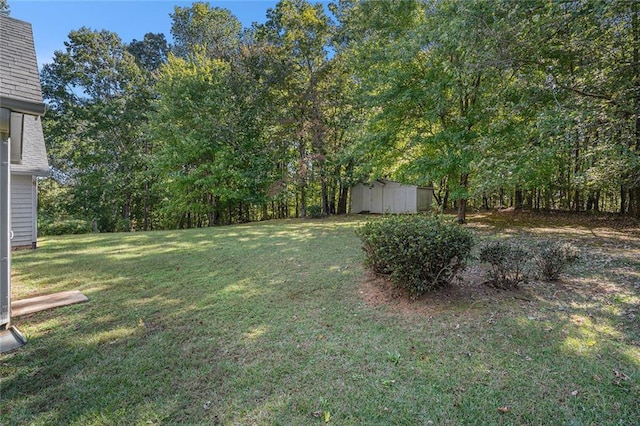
x,y
495,103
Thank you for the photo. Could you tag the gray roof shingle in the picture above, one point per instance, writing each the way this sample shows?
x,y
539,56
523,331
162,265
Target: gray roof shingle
x,y
20,80
19,77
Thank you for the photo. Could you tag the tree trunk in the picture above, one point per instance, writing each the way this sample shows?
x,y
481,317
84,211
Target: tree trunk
x,y
593,201
324,191
519,199
623,199
462,202
462,211
547,200
634,202
444,201
342,200
145,207
126,214
211,215
634,192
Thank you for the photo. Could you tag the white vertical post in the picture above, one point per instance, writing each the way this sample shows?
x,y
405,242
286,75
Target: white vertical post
x,y
5,219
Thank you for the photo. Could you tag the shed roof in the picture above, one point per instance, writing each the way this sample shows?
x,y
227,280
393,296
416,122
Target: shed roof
x,y
384,182
19,77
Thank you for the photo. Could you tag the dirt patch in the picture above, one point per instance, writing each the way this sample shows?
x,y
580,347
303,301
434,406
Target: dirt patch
x,y
527,218
609,268
469,291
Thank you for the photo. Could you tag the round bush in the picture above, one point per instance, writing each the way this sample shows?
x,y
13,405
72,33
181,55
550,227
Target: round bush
x,y
553,258
419,253
314,211
508,263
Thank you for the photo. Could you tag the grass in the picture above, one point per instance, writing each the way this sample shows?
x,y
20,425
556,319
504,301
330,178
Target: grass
x,y
267,323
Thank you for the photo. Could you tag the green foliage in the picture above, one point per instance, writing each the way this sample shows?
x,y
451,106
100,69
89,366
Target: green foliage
x,y
308,88
512,263
421,253
440,93
4,8
98,99
425,70
63,226
210,154
314,211
202,27
552,258
151,52
508,263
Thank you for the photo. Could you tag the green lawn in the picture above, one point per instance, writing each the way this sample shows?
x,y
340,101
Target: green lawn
x,y
268,323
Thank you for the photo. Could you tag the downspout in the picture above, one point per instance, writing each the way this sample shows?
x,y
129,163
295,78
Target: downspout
x,y
10,337
5,219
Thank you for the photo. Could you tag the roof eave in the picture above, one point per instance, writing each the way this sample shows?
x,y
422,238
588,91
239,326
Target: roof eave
x,y
32,172
23,106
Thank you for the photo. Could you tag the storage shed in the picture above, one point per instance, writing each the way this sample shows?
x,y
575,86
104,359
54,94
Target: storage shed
x,y
385,196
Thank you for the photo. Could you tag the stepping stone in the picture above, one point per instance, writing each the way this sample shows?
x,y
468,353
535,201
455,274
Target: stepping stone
x,y
48,301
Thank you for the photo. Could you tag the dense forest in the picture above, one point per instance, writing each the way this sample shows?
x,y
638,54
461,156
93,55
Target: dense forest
x,y
495,103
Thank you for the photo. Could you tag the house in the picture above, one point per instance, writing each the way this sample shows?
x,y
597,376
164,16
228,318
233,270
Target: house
x,y
22,154
21,93
385,196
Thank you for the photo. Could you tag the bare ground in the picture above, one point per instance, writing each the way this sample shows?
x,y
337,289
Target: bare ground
x,y
608,273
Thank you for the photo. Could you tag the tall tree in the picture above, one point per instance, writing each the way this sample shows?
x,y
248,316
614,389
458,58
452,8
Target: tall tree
x,y
197,26
428,69
301,34
211,156
94,127
150,52
4,8
585,55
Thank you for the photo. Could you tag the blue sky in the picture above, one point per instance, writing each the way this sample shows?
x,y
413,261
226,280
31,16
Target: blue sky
x,y
52,20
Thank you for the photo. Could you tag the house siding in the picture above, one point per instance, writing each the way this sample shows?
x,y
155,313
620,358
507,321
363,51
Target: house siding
x,y
23,211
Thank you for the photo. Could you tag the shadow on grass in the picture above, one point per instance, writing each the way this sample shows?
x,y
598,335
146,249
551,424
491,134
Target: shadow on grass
x,y
169,312
261,324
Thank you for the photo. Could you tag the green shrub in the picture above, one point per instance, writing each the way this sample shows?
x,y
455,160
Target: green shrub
x,y
508,263
314,211
124,225
420,253
64,227
553,257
